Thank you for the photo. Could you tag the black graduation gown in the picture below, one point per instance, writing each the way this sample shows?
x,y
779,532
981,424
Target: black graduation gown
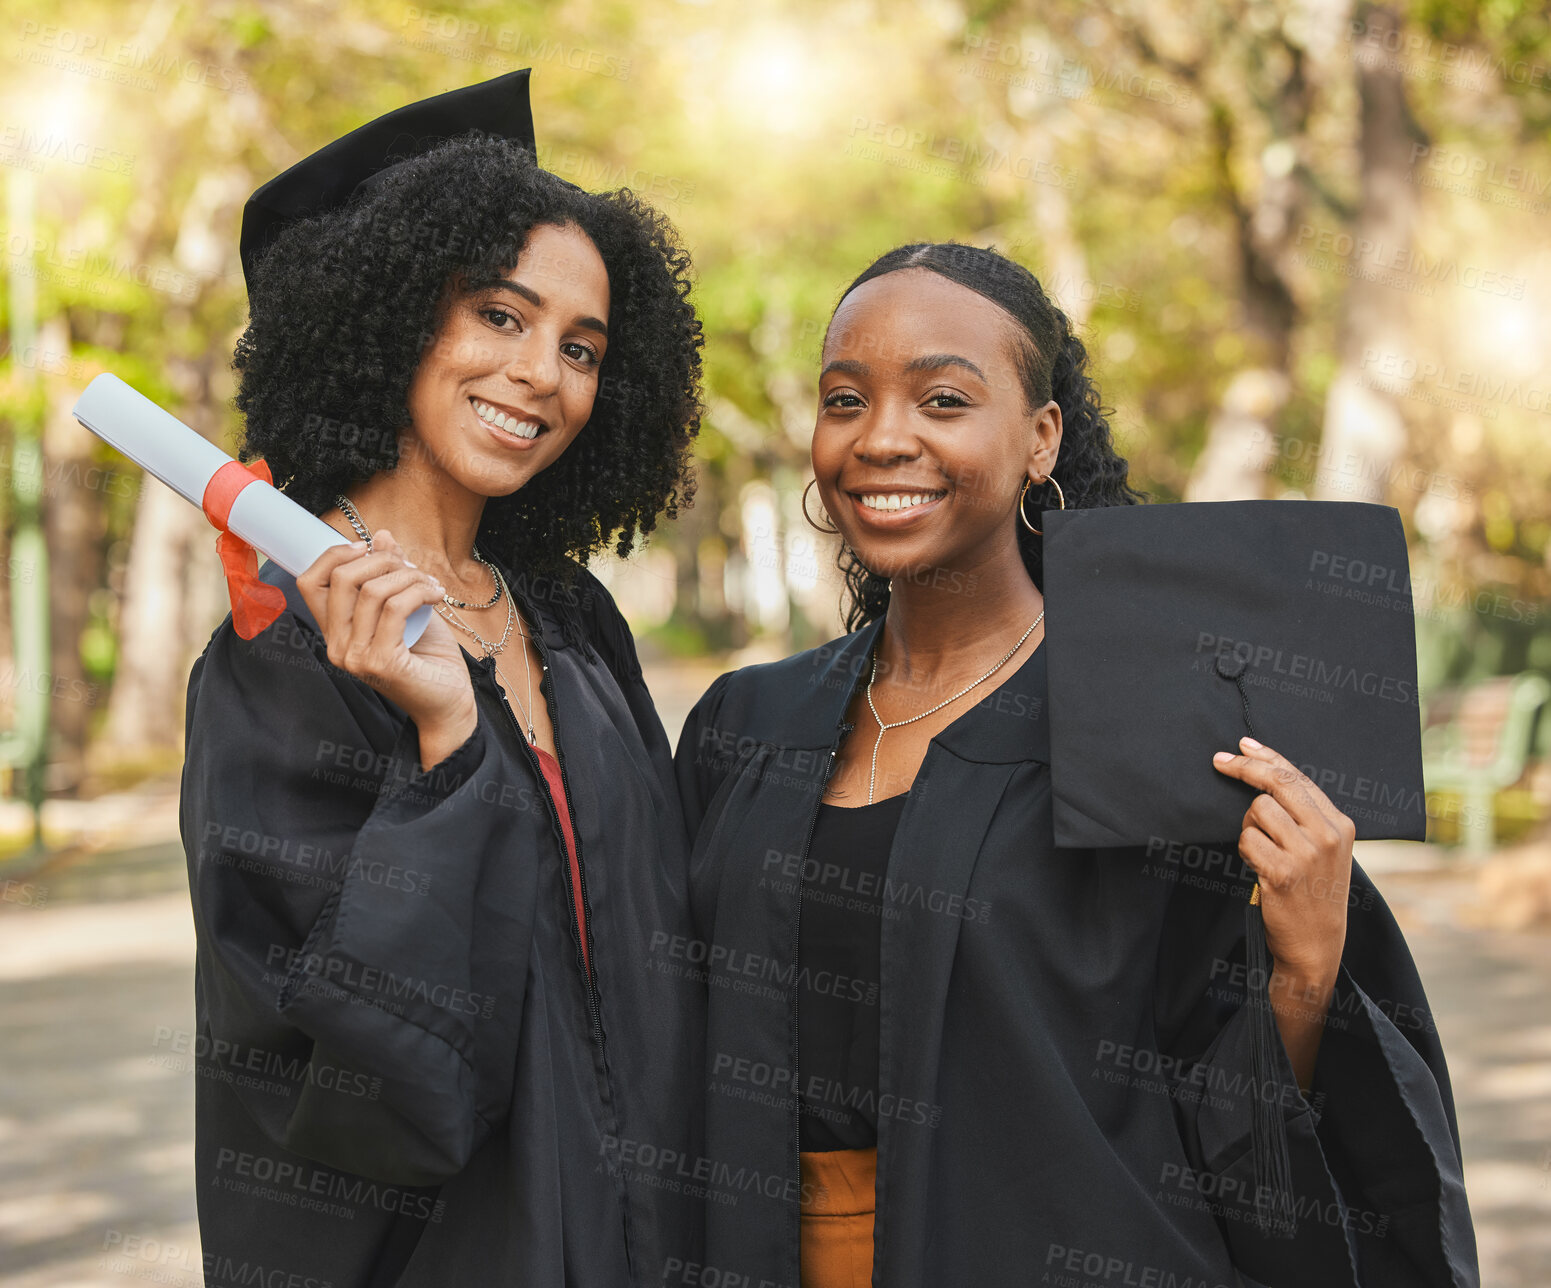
x,y
1065,1086
403,1079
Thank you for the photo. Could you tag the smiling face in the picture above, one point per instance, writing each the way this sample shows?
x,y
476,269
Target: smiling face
x,y
511,376
924,434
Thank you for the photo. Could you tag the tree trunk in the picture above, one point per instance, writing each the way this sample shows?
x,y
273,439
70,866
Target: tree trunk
x,y
1233,464
1364,432
1239,435
73,526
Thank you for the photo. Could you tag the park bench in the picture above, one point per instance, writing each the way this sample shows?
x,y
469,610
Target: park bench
x,y
1480,739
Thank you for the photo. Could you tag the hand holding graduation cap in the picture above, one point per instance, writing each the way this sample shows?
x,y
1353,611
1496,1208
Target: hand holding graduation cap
x,y
1300,847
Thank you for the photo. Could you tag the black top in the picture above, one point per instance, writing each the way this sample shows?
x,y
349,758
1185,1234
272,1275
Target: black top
x,y
405,1079
1066,1081
837,964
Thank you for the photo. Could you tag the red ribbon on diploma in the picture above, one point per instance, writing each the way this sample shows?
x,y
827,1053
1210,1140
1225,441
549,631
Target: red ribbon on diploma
x,y
255,603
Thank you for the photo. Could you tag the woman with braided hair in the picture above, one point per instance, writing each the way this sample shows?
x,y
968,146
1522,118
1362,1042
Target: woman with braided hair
x,y
953,1052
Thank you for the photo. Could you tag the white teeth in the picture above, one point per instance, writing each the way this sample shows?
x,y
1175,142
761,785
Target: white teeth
x,y
896,500
509,424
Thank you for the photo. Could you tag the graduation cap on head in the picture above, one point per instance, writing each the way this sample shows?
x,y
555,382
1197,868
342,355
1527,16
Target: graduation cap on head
x,y
332,175
1174,630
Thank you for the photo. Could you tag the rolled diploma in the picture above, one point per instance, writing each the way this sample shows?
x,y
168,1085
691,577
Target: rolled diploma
x,y
186,461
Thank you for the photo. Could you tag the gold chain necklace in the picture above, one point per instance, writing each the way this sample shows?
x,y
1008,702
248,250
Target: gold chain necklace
x,y
872,778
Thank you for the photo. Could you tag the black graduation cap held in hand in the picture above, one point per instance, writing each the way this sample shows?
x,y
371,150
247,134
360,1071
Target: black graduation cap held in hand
x,y
1174,630
328,178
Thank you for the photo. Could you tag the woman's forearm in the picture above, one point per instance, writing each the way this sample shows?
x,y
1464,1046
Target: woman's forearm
x,y
1300,1004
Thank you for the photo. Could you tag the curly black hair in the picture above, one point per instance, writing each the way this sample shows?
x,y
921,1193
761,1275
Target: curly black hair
x,y
342,306
1052,363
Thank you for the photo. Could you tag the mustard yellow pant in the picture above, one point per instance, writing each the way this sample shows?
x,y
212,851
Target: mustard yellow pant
x,y
839,1195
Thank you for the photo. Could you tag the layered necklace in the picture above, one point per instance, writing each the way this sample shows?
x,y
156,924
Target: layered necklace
x,y
872,778
490,648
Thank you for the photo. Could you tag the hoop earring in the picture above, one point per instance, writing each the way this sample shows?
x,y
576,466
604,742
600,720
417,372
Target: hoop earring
x,y
827,531
1060,495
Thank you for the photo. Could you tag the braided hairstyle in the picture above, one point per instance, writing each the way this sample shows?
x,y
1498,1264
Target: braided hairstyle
x,y
1052,363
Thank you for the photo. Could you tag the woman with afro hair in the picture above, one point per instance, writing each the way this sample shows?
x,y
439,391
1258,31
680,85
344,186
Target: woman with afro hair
x,y
996,1061
427,880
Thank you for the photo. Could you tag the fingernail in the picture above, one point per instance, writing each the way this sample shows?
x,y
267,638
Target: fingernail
x,y
409,563
358,545
1247,741
1222,756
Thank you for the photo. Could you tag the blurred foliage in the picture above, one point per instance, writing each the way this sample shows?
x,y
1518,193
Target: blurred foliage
x,y
793,141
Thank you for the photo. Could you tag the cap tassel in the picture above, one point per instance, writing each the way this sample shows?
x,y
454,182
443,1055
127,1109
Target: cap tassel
x,y
1267,1129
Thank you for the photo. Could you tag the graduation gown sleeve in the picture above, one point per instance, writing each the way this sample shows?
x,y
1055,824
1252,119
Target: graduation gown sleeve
x,y
1377,1184
334,887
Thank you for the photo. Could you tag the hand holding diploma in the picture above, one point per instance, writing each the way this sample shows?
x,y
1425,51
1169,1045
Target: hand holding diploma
x,y
374,607
238,500
362,599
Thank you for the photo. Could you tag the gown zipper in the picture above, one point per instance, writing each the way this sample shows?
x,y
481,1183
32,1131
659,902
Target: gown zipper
x,y
586,953
589,955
